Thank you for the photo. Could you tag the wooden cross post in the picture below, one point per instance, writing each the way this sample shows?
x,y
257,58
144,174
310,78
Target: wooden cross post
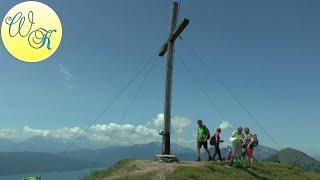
x,y
169,46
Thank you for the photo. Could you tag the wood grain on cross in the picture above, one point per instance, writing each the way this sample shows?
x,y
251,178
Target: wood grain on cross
x,y
168,48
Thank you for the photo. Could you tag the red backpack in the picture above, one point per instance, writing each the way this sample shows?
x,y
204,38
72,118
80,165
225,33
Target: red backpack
x,y
213,140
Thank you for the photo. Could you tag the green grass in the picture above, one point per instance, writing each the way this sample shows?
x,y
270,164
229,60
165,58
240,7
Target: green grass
x,y
202,171
263,171
100,174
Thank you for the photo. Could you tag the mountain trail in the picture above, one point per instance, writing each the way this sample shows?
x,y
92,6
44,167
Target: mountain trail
x,y
153,169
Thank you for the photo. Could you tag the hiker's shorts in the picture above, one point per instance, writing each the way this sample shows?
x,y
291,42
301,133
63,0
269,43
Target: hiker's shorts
x,y
249,153
202,143
236,150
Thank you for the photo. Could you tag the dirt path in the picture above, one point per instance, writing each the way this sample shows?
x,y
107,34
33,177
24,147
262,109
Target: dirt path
x,y
151,169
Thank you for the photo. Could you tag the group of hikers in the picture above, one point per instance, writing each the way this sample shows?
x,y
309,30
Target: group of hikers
x,y
242,141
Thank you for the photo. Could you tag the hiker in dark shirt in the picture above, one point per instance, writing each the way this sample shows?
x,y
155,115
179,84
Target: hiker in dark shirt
x,y
216,143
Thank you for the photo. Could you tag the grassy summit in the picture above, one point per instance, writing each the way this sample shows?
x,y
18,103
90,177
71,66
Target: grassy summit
x,y
138,169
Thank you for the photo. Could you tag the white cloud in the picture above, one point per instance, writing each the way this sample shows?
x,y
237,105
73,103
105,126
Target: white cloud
x,y
146,132
64,134
225,125
100,138
178,124
124,133
158,121
112,127
100,133
65,72
105,134
8,134
68,133
115,133
67,75
36,132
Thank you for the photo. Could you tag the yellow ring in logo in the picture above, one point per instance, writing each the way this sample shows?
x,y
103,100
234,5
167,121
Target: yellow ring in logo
x,y
31,31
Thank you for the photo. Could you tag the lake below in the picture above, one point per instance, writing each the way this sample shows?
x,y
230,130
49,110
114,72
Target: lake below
x,y
67,175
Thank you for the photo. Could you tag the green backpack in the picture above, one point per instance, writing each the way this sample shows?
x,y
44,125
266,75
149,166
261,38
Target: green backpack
x,y
237,162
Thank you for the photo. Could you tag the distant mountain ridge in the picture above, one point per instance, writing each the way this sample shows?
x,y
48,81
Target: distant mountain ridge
x,y
34,144
317,157
112,155
42,144
296,158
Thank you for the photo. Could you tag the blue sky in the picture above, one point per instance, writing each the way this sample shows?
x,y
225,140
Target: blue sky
x,y
266,52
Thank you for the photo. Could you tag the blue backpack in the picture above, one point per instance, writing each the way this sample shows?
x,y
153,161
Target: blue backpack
x,y
255,140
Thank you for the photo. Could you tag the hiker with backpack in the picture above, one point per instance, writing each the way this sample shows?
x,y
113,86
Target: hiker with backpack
x,y
237,139
250,142
246,132
203,134
249,151
215,141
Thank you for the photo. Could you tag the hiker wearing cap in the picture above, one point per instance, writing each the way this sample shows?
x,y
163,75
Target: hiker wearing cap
x,y
237,140
246,132
203,135
215,141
